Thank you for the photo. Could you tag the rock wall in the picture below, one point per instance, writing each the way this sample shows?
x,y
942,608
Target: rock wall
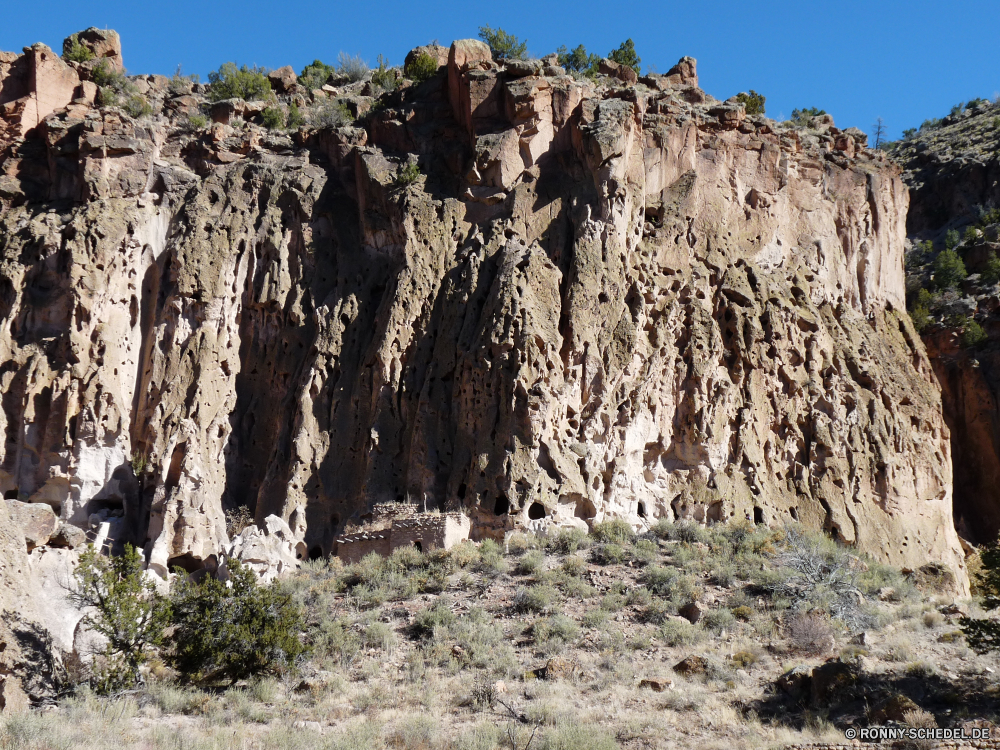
x,y
595,299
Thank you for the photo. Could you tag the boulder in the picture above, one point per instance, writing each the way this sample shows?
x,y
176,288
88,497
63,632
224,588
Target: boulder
x,y
830,680
13,699
934,577
225,110
283,79
558,667
522,68
104,43
37,521
617,70
893,709
69,536
684,73
691,612
691,665
657,686
269,551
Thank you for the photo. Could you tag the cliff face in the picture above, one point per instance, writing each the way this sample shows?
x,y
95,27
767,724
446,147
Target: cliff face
x,y
596,299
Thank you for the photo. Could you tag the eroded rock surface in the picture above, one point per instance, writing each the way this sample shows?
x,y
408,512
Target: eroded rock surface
x,y
592,299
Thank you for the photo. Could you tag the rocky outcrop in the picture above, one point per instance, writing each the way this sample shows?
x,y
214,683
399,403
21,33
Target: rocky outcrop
x,y
589,299
952,170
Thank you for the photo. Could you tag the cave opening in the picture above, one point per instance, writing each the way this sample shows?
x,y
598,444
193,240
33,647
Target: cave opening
x,y
536,511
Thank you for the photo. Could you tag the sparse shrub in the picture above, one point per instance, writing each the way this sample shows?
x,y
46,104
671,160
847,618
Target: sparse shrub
x,y
973,334
330,113
315,74
200,122
594,618
991,272
574,565
626,55
352,66
810,633
932,618
519,542
753,102
421,69
438,615
690,532
645,551
662,529
920,310
137,106
124,608
951,239
616,530
464,555
670,583
555,628
569,541
676,633
232,630
232,82
74,51
608,554
574,736
181,84
802,116
983,634
408,174
718,620
538,598
531,562
577,589
385,76
502,45
744,659
380,635
491,560
274,118
639,596
743,612
658,612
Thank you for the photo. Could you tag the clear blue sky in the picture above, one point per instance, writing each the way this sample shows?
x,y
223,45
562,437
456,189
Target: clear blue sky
x,y
903,61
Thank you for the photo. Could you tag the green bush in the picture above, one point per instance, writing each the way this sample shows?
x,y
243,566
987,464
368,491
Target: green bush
x,y
608,554
124,608
330,113
232,82
991,273
802,116
949,270
491,561
973,334
502,45
315,74
408,174
983,634
676,633
626,55
538,598
232,630
658,612
569,541
753,102
952,239
137,106
617,531
197,122
421,68
574,565
718,620
531,562
578,61
437,616
74,51
274,118
384,76
555,628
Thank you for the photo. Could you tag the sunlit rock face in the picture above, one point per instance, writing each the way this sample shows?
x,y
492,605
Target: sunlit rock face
x,y
592,299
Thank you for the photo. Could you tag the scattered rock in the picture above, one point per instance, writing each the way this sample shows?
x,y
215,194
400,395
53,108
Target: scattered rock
x,y
37,521
691,665
691,612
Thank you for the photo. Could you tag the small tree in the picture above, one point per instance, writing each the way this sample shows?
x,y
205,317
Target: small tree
x,y
626,55
125,609
878,130
753,102
578,61
504,46
973,334
75,51
231,82
983,634
422,68
232,630
803,116
991,273
315,74
949,270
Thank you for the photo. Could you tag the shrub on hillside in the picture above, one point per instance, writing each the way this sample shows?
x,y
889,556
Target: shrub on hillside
x,y
502,45
315,74
385,76
124,608
232,82
232,630
352,66
274,118
983,634
753,102
578,60
973,334
803,116
422,68
74,51
615,531
949,270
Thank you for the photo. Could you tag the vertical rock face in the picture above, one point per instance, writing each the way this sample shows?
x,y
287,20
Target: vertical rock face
x,y
596,300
